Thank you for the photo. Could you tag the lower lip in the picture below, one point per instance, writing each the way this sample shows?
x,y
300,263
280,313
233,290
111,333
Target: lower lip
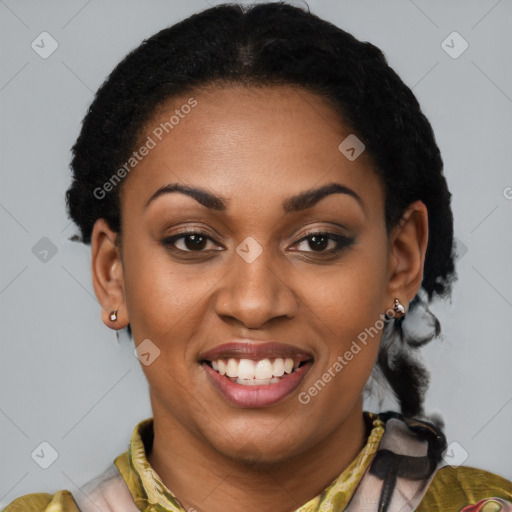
x,y
257,396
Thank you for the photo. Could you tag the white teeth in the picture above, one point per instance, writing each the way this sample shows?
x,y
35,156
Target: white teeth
x,y
253,382
246,369
263,369
232,368
257,382
278,367
252,373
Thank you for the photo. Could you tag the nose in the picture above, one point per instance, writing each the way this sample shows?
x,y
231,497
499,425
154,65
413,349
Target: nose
x,y
254,293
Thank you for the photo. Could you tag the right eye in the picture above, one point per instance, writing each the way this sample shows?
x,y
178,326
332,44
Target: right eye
x,y
188,241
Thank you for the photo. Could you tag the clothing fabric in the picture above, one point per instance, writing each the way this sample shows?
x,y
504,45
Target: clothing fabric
x,y
392,472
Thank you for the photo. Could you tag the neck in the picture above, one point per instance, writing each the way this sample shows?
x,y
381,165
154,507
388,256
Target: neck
x,y
205,480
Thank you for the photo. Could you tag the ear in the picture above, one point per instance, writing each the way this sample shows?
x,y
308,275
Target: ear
x,y
107,274
408,246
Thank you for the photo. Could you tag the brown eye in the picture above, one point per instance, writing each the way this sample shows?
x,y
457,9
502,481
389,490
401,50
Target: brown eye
x,y
318,242
188,242
326,243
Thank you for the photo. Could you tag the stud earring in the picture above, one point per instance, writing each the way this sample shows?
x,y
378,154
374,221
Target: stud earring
x,y
113,316
399,308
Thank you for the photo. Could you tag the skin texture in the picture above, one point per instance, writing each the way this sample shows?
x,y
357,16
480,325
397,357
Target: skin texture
x,y
255,147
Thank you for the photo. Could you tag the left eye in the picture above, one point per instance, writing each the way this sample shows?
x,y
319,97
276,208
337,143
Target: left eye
x,y
323,242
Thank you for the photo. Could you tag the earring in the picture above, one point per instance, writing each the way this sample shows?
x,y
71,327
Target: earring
x,y
398,308
113,316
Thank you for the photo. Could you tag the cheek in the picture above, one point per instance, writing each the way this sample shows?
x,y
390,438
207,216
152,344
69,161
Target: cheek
x,y
165,305
161,297
350,301
351,295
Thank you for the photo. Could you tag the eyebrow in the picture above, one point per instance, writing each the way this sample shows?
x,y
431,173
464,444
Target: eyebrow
x,y
299,202
202,196
309,198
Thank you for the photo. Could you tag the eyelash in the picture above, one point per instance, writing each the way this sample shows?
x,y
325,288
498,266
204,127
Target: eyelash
x,y
342,242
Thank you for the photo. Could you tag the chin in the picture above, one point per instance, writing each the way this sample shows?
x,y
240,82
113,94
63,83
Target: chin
x,y
261,448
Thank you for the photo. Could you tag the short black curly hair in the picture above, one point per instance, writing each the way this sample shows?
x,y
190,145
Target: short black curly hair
x,y
265,45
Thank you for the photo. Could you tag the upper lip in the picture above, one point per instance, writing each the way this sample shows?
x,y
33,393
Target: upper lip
x,y
247,349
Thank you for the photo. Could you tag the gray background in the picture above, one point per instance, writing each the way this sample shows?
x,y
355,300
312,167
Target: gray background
x,y
64,380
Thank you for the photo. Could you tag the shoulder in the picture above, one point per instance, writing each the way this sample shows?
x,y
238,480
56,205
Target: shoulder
x,y
466,489
61,501
99,495
107,492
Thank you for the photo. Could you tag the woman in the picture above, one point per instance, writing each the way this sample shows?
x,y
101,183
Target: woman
x,y
265,206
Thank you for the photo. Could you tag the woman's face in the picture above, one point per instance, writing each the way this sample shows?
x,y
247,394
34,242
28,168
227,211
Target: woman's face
x,y
242,264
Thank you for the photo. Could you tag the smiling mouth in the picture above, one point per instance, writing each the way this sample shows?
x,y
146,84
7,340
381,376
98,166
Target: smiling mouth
x,y
261,372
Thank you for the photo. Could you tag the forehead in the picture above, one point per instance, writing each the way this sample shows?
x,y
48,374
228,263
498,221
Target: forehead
x,y
260,142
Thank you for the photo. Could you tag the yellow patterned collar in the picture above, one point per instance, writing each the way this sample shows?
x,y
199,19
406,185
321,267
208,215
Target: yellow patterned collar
x,y
150,493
